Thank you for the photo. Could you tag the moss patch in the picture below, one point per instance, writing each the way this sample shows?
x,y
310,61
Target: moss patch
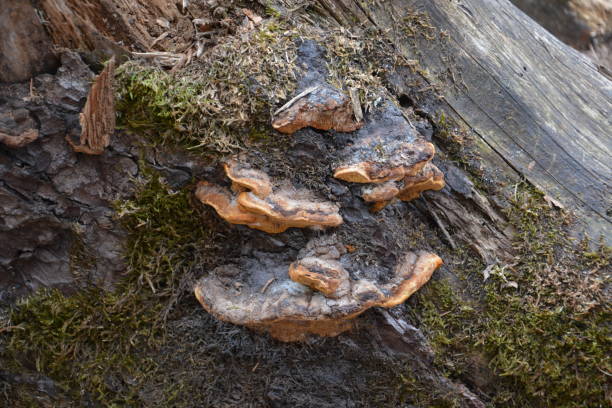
x,y
216,101
94,343
542,321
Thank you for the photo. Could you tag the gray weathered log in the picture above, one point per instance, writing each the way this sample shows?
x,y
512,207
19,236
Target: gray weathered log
x,y
540,109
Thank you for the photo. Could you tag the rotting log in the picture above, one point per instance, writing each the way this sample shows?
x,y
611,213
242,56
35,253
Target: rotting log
x,y
512,95
540,109
28,49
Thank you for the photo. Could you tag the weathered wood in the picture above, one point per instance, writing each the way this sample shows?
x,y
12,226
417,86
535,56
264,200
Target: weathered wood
x,y
104,25
25,47
543,108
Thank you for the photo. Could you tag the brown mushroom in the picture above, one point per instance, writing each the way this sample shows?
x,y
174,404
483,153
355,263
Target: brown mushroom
x,y
321,107
21,140
289,208
262,208
380,192
377,161
430,178
226,206
386,148
248,178
323,275
269,299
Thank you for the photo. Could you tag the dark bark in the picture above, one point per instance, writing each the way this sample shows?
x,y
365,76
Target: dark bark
x,y
25,47
535,108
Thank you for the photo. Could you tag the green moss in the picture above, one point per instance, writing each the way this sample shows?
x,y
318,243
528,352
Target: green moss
x,y
94,342
542,321
213,103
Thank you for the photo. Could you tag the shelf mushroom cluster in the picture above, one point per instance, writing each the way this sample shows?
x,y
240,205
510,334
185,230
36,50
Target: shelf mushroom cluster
x,y
256,203
325,288
390,159
313,295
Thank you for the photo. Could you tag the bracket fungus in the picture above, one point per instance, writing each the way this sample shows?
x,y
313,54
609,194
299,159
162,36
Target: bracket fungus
x,y
389,156
386,148
21,140
257,204
321,107
407,189
313,295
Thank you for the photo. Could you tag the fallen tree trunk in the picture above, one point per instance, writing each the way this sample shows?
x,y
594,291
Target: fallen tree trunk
x,y
540,109
505,104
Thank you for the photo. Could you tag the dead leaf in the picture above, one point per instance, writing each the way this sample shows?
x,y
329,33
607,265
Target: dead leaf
x,y
487,272
511,284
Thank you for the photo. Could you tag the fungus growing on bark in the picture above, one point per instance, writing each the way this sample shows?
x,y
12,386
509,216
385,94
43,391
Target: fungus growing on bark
x,y
287,207
21,140
244,177
98,116
376,160
380,192
323,275
265,208
430,178
321,107
411,187
386,148
390,156
314,295
225,204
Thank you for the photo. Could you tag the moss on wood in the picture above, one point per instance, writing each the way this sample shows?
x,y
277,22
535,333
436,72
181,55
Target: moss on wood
x,y
94,343
542,320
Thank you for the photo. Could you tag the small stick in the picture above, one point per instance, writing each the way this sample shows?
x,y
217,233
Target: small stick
x,y
441,225
268,283
293,100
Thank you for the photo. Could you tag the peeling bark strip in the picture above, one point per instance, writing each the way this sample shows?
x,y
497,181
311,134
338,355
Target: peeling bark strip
x,y
98,116
23,139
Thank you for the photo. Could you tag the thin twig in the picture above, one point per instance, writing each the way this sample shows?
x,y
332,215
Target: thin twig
x,y
268,283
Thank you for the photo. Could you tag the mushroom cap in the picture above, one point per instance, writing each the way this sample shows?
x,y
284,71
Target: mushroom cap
x,y
396,161
430,178
321,107
251,179
380,192
262,208
323,275
222,201
226,206
284,208
268,299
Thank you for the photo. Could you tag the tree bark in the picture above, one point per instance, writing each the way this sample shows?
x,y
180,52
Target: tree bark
x,y
535,109
540,109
